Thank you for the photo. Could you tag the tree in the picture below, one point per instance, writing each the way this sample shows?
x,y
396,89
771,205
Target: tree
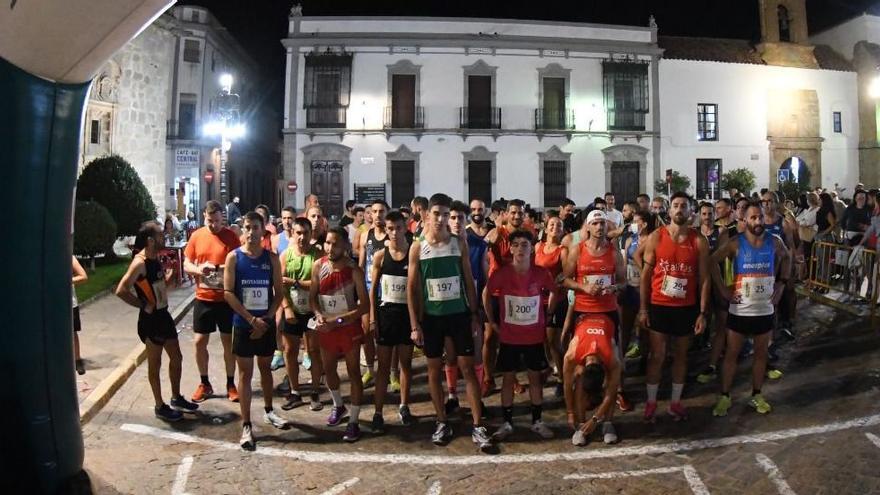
x,y
679,183
741,179
94,230
114,183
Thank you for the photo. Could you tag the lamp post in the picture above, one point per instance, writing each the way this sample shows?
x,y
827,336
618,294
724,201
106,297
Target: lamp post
x,y
225,122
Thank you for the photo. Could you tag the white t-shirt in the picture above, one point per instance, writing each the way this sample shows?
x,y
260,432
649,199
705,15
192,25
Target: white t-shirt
x,y
615,216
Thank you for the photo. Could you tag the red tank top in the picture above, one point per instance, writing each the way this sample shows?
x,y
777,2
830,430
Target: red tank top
x,y
551,261
595,335
500,251
595,269
676,265
336,291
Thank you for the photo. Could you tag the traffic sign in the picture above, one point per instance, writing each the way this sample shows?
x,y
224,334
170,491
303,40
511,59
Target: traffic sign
x,y
292,186
782,175
209,176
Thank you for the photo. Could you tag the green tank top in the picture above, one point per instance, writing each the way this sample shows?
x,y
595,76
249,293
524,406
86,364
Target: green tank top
x,y
443,289
299,268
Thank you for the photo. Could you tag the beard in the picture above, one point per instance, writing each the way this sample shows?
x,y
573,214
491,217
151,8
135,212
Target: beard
x,y
756,230
679,219
478,219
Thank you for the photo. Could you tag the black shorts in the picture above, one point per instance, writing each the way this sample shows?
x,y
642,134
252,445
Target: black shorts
x,y
513,358
677,321
750,325
157,326
77,324
210,316
457,327
244,346
557,319
393,327
299,328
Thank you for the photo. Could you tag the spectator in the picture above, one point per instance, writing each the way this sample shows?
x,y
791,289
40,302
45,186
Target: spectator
x,y
856,218
232,211
348,216
566,214
806,221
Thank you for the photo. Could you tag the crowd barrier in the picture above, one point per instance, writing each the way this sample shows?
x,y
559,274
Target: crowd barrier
x,y
844,277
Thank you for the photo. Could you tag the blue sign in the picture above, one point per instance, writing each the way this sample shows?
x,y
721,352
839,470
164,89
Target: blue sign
x,y
713,175
782,175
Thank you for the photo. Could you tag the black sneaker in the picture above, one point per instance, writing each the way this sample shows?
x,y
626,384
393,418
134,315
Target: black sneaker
x,y
442,434
787,332
451,405
315,403
80,367
165,413
378,424
283,388
183,405
406,417
293,400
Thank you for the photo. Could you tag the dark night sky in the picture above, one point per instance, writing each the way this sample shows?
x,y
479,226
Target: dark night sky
x,y
260,24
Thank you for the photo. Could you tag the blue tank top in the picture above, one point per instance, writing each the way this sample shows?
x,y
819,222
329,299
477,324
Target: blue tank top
x,y
754,276
372,246
776,228
477,249
253,285
283,241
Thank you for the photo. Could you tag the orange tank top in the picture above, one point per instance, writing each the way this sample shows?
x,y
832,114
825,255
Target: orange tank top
x,y
595,335
595,270
500,251
551,261
676,265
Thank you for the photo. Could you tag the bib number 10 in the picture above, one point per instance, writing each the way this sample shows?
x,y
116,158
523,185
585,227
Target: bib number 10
x,y
256,298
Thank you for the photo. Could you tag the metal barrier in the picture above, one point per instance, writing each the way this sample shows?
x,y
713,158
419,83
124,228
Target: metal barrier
x,y
844,277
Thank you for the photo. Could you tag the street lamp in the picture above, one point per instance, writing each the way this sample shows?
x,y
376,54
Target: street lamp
x,y
225,122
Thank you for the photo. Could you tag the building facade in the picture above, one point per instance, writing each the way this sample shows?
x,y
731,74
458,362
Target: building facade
x,y
152,98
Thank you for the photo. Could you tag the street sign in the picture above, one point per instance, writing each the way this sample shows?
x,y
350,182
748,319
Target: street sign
x,y
782,175
364,193
186,157
669,176
209,176
292,186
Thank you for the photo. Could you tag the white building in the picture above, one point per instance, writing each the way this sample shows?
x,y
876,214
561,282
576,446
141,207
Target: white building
x,y
151,99
545,110
470,107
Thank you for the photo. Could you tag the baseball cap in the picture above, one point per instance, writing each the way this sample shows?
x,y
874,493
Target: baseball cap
x,y
596,215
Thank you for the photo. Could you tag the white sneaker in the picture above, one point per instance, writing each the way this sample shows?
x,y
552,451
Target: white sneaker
x,y
578,439
502,432
247,438
609,434
542,429
271,418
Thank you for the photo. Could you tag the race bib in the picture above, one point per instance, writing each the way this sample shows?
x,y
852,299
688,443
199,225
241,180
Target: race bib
x,y
674,287
602,281
756,289
522,310
444,289
300,298
161,293
212,281
255,298
394,289
335,304
633,275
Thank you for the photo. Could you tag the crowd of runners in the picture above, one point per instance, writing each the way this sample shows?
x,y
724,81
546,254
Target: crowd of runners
x,y
570,298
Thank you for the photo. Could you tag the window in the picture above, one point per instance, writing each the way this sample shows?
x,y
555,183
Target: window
x,y
784,23
625,86
707,122
554,182
708,173
838,126
187,117
403,185
192,51
480,180
95,132
327,89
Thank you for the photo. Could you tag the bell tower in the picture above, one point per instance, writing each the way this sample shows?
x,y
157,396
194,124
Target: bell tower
x,y
784,37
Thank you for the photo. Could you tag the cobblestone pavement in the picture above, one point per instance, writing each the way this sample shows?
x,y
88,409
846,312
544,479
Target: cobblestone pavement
x,y
823,436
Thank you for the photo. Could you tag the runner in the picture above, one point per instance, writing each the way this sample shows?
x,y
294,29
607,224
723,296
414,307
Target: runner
x,y
596,273
372,241
155,325
319,225
715,237
252,288
592,375
205,255
339,299
279,244
478,226
786,228
549,255
297,261
761,265
675,274
419,206
478,256
79,277
440,294
632,337
521,289
389,318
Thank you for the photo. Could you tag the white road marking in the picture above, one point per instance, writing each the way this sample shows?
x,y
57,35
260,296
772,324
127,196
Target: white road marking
x,y
774,474
690,475
435,488
341,487
596,453
182,475
874,439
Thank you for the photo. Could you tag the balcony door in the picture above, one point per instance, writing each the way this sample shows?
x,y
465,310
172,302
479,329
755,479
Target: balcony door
x,y
554,103
403,101
479,102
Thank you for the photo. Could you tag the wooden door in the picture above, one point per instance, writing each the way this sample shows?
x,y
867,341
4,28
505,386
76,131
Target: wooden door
x,y
328,184
479,102
480,180
554,103
625,181
403,101
403,184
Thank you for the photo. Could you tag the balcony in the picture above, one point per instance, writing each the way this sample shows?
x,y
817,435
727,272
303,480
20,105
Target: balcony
x,y
326,117
554,119
479,118
405,119
626,120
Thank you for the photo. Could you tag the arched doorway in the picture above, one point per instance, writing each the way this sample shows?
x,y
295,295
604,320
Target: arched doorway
x,y
799,173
